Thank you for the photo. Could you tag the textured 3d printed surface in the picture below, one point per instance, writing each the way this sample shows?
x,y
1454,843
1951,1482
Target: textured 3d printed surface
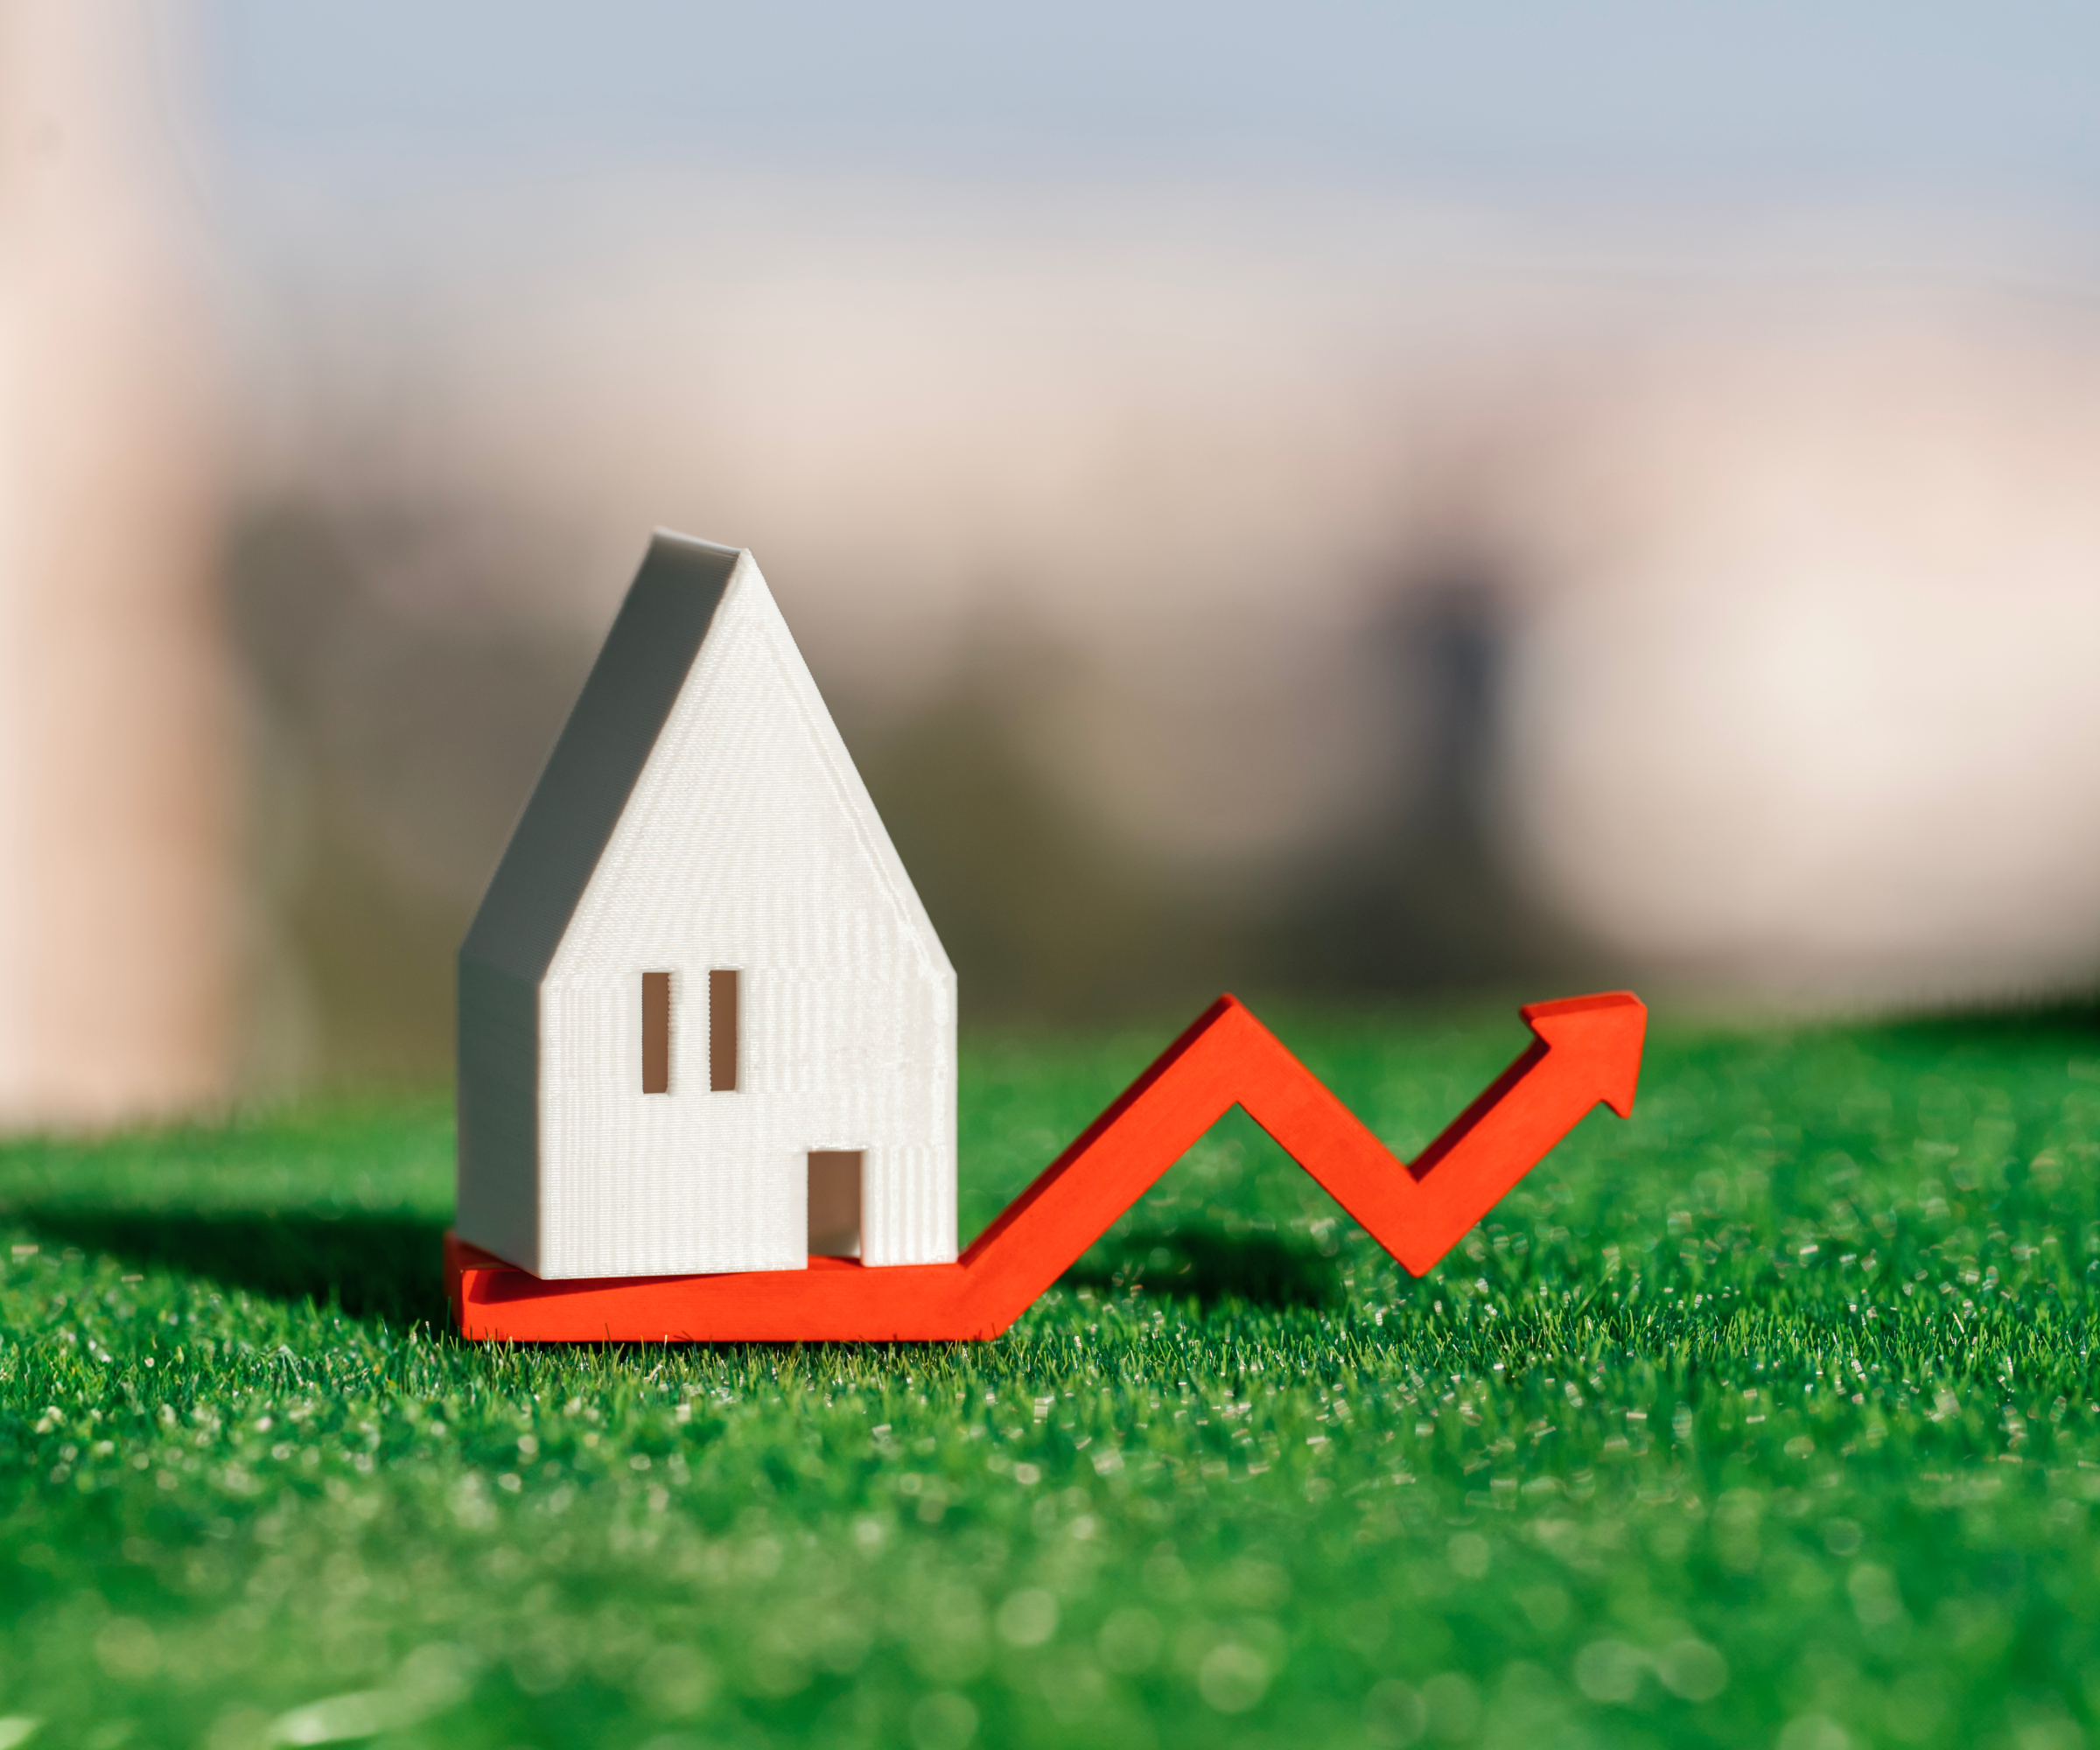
x,y
700,816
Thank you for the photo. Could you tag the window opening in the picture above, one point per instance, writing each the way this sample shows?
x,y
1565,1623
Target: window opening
x,y
835,1202
724,1000
655,1032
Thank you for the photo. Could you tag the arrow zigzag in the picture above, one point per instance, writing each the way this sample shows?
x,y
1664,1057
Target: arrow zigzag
x,y
1585,1051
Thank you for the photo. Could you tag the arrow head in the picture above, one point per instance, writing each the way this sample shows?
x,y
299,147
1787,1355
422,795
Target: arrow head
x,y
1598,1039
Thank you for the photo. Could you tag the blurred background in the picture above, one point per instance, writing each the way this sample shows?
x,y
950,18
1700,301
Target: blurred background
x,y
1324,499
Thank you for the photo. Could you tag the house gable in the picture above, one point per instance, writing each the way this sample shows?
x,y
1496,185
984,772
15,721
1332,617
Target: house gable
x,y
748,808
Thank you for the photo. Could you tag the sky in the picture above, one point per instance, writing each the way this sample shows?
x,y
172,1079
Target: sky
x,y
1930,104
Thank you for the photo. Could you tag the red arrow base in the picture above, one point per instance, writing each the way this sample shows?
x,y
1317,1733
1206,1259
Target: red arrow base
x,y
1585,1051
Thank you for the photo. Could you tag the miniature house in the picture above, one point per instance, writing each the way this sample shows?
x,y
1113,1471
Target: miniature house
x,y
704,1023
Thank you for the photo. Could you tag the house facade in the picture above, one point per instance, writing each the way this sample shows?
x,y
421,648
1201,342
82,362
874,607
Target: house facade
x,y
705,1024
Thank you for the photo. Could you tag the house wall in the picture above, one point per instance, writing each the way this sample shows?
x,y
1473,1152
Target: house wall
x,y
499,1207
748,842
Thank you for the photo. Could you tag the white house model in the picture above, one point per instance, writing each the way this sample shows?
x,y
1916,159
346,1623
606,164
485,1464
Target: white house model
x,y
705,1022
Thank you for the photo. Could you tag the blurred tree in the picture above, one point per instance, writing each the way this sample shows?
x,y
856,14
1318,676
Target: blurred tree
x,y
1421,897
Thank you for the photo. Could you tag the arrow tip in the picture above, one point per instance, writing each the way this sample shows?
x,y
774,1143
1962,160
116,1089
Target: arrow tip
x,y
1602,1035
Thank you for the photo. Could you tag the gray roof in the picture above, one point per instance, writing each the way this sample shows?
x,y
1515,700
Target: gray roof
x,y
615,723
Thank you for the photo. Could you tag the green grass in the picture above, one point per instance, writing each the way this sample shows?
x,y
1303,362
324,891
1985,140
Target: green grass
x,y
1766,1418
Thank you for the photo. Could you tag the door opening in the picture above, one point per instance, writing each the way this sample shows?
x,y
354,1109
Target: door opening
x,y
835,1202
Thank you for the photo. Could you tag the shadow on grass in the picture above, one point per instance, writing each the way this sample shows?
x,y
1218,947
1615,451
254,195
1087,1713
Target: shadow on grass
x,y
390,1266
1210,1265
371,1266
2037,1022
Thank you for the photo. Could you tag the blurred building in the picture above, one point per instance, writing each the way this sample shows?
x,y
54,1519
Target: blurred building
x,y
1203,623
121,892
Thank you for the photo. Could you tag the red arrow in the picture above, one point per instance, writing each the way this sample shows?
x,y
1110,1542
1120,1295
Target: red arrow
x,y
1587,1051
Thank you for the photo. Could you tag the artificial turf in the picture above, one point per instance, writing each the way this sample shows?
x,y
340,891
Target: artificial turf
x,y
1764,1418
